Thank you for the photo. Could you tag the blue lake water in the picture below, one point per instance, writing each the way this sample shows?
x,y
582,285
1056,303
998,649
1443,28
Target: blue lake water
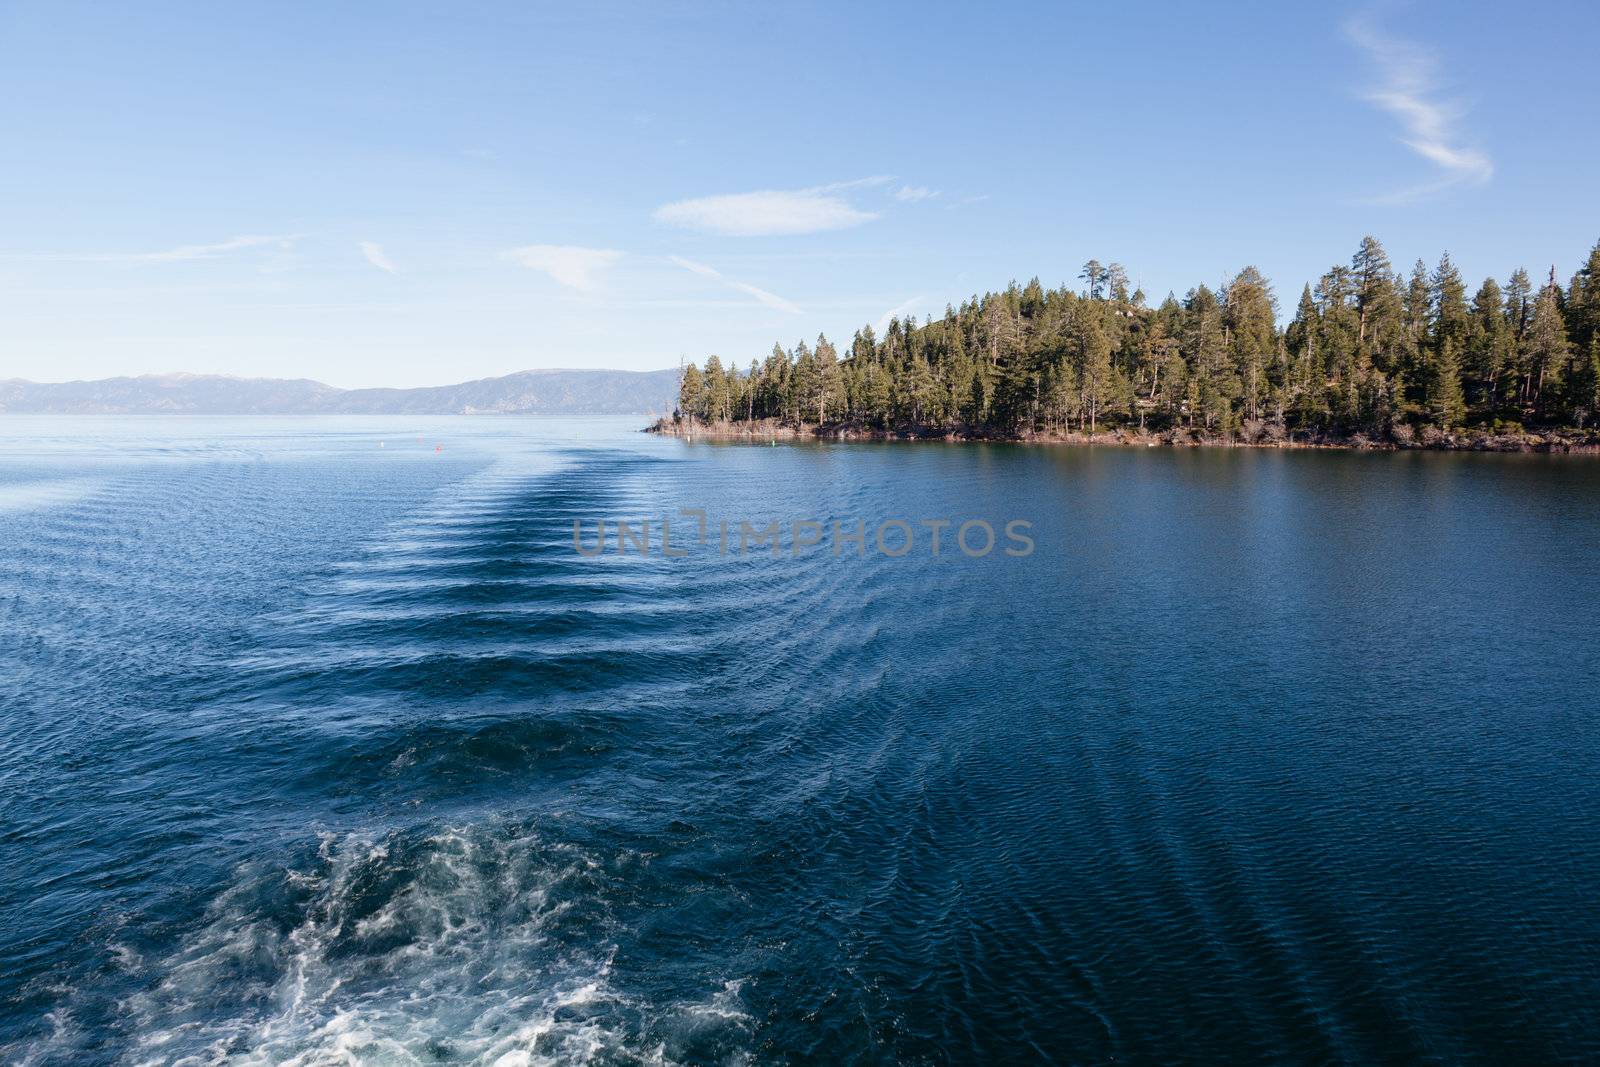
x,y
321,744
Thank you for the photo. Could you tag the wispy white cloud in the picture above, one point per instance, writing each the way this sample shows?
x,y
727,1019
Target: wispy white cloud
x,y
772,212
910,194
771,300
374,253
857,183
698,268
899,311
185,252
1408,89
572,266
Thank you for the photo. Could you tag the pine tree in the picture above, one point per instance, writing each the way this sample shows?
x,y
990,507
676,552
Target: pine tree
x,y
1585,303
775,375
1491,347
1586,386
1117,283
1307,375
1094,278
978,411
1518,303
1375,297
1418,302
1215,386
692,393
1250,315
829,385
717,404
1450,319
1094,371
1546,342
920,390
1414,363
1445,404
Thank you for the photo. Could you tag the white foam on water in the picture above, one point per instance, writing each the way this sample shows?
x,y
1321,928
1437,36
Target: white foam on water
x,y
408,949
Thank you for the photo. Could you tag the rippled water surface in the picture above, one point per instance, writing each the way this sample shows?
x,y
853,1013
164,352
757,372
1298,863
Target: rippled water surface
x,y
320,744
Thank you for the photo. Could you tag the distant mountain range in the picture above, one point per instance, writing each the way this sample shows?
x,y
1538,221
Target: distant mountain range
x,y
532,392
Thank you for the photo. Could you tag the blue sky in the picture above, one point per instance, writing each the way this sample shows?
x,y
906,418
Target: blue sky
x,y
413,194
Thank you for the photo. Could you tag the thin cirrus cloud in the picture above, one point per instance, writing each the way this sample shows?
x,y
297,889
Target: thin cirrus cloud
x,y
911,194
899,311
375,255
772,212
1408,89
771,300
184,253
570,265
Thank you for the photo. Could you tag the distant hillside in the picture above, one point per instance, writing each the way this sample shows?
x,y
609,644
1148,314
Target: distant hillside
x,y
534,392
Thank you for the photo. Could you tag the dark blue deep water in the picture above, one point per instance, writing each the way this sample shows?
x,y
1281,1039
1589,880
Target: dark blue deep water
x,y
320,744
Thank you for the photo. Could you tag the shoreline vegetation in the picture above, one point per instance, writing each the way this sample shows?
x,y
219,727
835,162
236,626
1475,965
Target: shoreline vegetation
x,y
764,431
1370,359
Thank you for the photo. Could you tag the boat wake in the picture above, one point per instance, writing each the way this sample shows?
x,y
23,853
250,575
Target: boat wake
x,y
487,943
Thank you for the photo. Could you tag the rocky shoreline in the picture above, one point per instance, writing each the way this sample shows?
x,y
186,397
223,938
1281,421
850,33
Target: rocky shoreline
x,y
1404,439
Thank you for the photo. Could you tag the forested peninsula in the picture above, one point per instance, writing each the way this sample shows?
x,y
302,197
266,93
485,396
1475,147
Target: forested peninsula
x,y
1371,358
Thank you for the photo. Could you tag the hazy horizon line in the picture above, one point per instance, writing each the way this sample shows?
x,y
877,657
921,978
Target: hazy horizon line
x,y
218,376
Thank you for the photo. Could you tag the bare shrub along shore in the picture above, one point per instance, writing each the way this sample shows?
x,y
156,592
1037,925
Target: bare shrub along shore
x,y
763,431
